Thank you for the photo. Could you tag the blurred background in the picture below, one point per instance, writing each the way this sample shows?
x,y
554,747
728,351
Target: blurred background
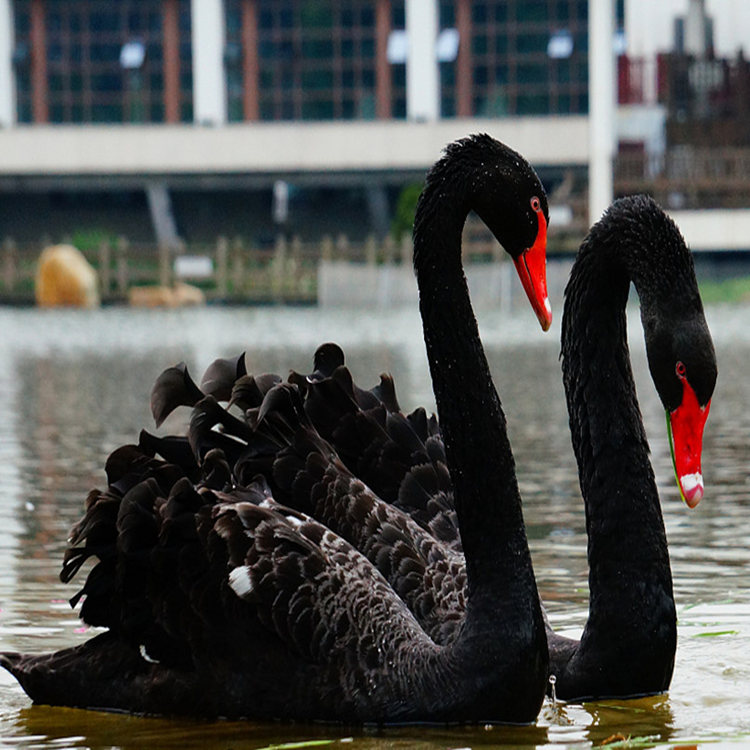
x,y
244,145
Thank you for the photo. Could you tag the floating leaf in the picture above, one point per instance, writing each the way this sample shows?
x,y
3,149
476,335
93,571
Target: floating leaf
x,y
295,745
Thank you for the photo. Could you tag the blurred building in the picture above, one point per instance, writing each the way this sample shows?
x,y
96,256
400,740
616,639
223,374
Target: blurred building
x,y
180,118
86,61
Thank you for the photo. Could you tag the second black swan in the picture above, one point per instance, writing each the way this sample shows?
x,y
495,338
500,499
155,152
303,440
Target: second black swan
x,y
628,644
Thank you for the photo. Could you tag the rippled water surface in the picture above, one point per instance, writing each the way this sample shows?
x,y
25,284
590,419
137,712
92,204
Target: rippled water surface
x,y
75,385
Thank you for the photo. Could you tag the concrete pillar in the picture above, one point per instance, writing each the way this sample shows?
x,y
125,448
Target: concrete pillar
x,y
422,72
38,44
160,208
7,78
383,87
209,78
171,63
464,81
250,61
602,98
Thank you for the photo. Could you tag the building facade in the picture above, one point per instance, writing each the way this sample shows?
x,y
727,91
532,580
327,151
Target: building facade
x,y
189,110
95,61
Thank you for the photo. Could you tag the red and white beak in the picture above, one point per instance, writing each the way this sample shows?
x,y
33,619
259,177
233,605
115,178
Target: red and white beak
x,y
531,266
685,426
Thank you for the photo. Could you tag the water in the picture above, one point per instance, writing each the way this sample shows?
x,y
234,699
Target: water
x,y
75,385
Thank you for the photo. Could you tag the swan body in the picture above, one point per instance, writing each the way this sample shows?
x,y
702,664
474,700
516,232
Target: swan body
x,y
629,641
244,570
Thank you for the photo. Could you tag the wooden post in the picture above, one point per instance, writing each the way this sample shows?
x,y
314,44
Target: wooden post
x,y
294,267
326,248
279,261
10,263
371,250
406,249
105,272
165,271
238,267
342,247
387,249
221,273
121,266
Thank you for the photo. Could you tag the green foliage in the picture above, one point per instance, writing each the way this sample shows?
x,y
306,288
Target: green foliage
x,y
89,240
406,207
730,290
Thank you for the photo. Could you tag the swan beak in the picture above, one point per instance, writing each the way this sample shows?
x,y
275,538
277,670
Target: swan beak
x,y
531,266
685,427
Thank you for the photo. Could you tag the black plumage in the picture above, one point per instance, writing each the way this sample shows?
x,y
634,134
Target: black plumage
x,y
260,577
628,644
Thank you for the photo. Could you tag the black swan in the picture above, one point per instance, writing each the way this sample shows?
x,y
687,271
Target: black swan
x,y
628,644
218,600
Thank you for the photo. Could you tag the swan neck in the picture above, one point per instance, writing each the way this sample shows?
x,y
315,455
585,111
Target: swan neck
x,y
624,523
472,422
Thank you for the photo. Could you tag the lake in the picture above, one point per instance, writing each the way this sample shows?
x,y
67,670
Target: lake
x,y
75,385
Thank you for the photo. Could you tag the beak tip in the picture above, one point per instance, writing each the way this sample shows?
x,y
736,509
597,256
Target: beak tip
x,y
692,489
545,315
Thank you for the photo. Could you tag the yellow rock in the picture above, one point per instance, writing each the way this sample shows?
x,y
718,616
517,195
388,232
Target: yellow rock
x,y
65,278
180,295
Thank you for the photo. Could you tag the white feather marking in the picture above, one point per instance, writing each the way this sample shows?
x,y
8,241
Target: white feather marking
x,y
240,581
145,656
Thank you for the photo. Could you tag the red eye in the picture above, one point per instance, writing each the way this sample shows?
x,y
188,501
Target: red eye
x,y
680,369
535,204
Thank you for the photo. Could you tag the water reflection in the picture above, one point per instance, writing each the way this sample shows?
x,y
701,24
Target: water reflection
x,y
76,386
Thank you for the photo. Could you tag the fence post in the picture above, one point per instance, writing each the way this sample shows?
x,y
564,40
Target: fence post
x,y
279,261
342,248
222,252
294,267
165,272
387,249
121,266
371,250
10,263
105,272
326,248
406,249
238,266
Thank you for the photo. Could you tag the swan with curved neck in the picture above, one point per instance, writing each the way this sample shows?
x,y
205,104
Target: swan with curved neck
x,y
219,601
628,644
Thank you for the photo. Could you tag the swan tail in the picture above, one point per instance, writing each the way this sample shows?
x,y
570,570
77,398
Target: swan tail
x,y
107,673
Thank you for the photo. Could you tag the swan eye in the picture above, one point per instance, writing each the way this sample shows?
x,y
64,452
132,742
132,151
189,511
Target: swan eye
x,y
536,204
680,369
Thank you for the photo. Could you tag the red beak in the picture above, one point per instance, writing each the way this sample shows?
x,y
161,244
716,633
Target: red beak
x,y
685,425
531,266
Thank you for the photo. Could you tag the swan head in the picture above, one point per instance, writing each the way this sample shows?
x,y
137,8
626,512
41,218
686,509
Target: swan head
x,y
509,198
683,366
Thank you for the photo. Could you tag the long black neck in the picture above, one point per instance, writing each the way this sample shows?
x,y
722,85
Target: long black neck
x,y
629,575
480,461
